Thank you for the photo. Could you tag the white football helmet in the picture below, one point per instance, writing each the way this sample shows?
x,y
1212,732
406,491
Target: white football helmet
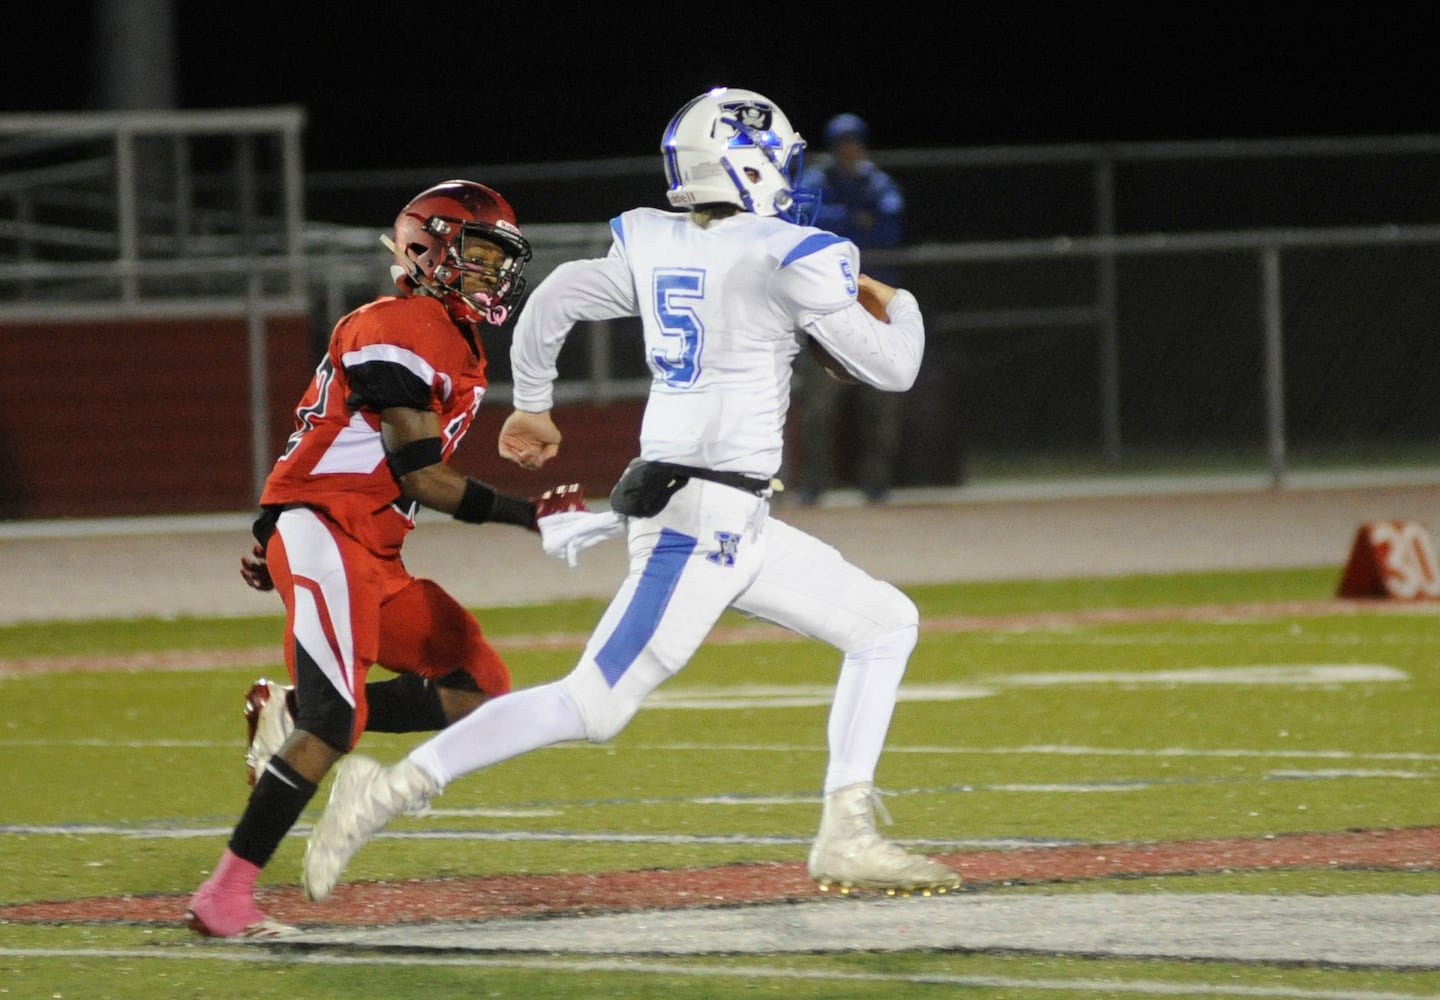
x,y
736,147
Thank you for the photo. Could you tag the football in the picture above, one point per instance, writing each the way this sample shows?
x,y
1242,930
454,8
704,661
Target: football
x,y
830,363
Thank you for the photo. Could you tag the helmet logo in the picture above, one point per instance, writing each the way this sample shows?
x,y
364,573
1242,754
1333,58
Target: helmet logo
x,y
750,124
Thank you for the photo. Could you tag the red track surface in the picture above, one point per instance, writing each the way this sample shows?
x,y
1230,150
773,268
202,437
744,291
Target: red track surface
x,y
382,903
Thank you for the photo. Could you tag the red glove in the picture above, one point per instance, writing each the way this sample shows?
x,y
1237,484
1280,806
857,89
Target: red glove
x,y
559,500
254,571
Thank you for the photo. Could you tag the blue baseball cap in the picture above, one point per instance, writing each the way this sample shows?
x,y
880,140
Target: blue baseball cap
x,y
846,126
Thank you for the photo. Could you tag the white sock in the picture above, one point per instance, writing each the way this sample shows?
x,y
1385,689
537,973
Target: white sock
x,y
864,702
502,728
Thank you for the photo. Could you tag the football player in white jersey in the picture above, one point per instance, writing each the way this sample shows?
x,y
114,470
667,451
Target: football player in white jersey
x,y
728,290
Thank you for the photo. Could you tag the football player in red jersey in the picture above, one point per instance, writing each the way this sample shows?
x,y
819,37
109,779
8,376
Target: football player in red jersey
x,y
390,401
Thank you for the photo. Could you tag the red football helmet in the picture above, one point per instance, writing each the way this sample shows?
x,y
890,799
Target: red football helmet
x,y
430,239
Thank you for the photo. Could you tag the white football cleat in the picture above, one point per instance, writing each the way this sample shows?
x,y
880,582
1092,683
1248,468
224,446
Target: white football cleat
x,y
848,853
268,723
365,796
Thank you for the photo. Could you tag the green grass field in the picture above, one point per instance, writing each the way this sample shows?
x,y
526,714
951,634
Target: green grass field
x,y
1022,729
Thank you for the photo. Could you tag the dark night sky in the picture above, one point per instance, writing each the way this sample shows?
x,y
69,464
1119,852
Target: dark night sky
x,y
397,85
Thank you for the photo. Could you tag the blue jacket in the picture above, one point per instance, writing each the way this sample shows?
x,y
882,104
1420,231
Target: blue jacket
x,y
844,197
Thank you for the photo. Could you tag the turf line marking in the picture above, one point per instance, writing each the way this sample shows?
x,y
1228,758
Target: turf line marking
x,y
1021,625
770,696
256,953
1061,637
1063,751
78,744
529,836
790,748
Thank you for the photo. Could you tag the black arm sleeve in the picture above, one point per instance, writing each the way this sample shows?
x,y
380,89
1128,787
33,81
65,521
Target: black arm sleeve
x,y
481,503
377,385
415,455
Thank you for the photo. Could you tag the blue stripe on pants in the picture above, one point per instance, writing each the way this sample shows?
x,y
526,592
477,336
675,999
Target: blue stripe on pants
x,y
657,585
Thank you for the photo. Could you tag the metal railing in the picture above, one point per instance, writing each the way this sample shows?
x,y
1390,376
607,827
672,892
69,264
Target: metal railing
x,y
161,214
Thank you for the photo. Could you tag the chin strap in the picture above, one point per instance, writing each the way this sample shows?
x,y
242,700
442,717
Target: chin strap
x,y
496,315
398,269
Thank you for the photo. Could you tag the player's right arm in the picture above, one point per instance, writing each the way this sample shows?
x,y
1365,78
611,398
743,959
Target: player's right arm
x,y
596,289
413,452
577,290
432,484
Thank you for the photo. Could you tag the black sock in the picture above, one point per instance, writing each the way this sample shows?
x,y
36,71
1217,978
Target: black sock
x,y
280,796
406,704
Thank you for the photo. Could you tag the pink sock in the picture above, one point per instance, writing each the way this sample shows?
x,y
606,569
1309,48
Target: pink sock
x,y
235,874
225,905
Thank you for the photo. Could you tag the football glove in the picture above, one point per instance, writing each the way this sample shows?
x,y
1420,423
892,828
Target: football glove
x,y
255,572
558,500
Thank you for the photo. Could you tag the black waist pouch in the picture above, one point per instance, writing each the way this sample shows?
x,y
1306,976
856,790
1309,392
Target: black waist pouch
x,y
646,487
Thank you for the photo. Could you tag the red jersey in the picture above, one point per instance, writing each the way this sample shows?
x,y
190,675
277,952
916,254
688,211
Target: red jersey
x,y
392,352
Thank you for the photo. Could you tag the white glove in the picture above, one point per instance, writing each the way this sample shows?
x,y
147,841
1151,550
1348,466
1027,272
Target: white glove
x,y
566,535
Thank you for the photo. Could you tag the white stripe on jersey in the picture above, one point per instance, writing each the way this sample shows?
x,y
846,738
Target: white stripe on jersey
x,y
358,448
401,356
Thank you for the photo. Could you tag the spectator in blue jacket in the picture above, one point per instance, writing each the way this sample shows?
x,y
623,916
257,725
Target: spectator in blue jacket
x,y
859,201
862,203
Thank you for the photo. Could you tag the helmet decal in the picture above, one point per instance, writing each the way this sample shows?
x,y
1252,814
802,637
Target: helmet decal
x,y
751,124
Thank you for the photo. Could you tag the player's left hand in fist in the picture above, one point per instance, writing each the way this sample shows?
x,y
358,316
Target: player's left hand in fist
x,y
255,572
559,500
529,439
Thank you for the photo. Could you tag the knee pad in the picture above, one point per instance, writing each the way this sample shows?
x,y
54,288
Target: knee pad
x,y
604,710
457,680
887,612
895,610
893,647
332,720
320,709
407,703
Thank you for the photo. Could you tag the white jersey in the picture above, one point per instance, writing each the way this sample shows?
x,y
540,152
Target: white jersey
x,y
723,307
